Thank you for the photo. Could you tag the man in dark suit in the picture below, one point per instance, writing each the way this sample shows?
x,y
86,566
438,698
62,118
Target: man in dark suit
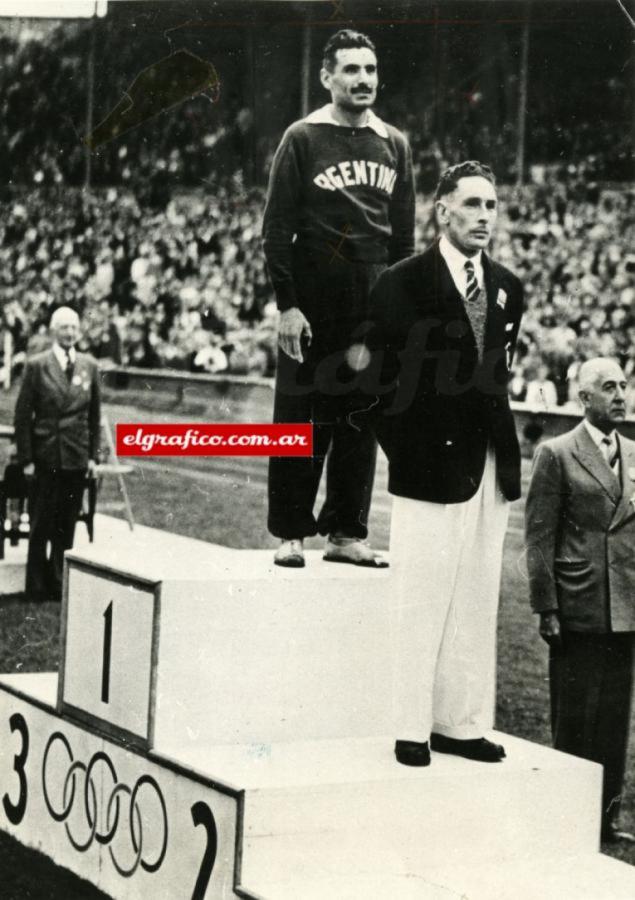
x,y
57,435
580,523
443,330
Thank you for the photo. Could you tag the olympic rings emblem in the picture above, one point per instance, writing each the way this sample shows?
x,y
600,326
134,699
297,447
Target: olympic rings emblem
x,y
113,810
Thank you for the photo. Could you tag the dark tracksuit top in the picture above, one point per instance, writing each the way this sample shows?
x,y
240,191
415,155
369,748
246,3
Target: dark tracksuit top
x,y
336,195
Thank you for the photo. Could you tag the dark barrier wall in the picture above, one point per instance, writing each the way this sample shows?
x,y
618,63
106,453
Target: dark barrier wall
x,y
222,398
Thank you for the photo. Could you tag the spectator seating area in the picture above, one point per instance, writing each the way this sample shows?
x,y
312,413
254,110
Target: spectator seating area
x,y
186,286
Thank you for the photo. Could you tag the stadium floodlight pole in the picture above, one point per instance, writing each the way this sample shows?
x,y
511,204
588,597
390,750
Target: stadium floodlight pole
x,y
90,90
100,8
8,358
306,70
522,97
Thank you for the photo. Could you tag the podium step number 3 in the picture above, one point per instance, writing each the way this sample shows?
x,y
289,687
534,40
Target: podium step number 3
x,y
124,820
109,658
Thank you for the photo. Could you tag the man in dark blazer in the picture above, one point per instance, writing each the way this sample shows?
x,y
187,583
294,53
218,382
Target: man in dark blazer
x,y
580,523
57,417
443,330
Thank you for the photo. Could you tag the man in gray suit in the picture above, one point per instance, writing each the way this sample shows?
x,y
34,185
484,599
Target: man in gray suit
x,y
57,435
580,524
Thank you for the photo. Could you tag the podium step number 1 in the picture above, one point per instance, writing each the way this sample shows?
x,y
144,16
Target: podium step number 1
x,y
109,658
83,781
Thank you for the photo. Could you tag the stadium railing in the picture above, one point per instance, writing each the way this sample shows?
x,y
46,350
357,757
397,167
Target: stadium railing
x,y
250,399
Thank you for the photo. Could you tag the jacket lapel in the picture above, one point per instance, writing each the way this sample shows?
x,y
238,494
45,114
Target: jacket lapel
x,y
77,387
590,457
625,508
450,300
495,324
447,288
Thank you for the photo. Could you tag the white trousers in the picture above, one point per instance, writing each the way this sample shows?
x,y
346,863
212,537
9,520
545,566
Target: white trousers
x,y
446,560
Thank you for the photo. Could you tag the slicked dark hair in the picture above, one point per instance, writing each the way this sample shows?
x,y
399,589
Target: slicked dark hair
x,y
449,181
344,39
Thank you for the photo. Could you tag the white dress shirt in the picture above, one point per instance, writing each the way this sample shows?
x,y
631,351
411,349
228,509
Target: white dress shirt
x,y
456,264
62,358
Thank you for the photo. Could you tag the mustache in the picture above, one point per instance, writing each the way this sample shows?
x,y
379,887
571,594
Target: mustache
x,y
363,89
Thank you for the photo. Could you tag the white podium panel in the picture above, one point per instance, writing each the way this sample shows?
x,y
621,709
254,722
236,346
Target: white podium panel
x,y
242,651
132,825
110,624
266,697
275,655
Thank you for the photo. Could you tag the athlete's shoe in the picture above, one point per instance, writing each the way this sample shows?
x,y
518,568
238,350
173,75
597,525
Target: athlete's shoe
x,y
354,551
290,554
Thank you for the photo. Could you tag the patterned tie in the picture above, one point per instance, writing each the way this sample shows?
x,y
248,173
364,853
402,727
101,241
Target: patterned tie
x,y
472,288
611,453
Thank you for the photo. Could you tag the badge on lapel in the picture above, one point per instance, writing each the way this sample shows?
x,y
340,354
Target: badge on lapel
x,y
501,299
81,381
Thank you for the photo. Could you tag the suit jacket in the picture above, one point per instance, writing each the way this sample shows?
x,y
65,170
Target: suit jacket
x,y
437,404
57,421
580,524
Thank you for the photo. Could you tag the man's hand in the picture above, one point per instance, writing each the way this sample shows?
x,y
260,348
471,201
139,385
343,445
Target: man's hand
x,y
29,470
550,630
292,326
92,468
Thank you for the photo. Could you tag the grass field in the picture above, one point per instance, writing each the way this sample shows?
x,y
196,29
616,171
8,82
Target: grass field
x,y
224,501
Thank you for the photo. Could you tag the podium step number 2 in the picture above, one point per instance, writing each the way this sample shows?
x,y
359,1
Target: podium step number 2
x,y
109,658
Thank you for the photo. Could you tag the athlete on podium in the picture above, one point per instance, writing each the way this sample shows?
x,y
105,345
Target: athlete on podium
x,y
340,207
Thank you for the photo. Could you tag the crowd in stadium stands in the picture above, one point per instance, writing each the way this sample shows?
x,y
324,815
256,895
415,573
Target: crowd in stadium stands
x,y
186,286
164,261
186,144
573,250
196,141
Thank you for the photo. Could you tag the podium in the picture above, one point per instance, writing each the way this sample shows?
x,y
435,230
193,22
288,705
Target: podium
x,y
221,728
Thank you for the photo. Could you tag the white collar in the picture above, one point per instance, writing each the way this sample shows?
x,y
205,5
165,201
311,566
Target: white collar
x,y
597,436
60,355
456,263
324,116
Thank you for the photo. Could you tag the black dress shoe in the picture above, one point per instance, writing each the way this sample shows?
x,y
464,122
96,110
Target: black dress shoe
x,y
412,753
611,834
479,749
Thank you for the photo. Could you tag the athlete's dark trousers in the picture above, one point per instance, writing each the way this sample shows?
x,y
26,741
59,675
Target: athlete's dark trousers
x,y
55,500
591,679
323,390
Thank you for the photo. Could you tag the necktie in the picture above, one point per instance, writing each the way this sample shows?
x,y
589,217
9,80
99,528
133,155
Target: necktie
x,y
69,365
611,453
471,289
